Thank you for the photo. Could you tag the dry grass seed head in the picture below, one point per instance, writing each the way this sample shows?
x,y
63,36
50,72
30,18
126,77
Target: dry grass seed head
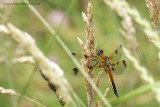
x,y
127,22
97,81
151,11
155,7
100,104
7,91
88,49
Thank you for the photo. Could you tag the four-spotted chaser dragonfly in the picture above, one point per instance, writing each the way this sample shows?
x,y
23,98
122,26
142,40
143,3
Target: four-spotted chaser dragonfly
x,y
110,64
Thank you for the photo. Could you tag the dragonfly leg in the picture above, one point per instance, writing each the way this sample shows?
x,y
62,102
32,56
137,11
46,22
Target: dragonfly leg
x,y
105,68
112,67
96,63
94,60
76,70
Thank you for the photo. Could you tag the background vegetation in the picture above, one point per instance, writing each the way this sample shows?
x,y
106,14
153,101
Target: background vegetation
x,y
24,79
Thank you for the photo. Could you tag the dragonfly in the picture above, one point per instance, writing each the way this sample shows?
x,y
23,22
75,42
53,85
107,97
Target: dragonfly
x,y
111,64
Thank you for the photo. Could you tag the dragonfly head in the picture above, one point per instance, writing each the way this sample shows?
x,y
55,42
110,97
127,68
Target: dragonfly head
x,y
99,52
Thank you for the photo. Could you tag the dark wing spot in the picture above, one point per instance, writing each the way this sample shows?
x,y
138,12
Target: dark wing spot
x,y
85,56
75,71
74,54
116,51
124,62
117,63
101,51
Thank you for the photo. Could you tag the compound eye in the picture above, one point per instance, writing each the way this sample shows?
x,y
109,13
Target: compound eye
x,y
101,51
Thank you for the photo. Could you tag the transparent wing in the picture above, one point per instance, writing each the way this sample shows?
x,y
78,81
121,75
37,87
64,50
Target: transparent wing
x,y
95,61
119,67
80,55
117,54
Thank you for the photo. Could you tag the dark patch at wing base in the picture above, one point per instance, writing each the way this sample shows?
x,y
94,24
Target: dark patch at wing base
x,y
116,51
85,56
75,71
74,54
124,62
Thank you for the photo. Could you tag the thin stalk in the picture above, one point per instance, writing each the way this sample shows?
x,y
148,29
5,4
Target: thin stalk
x,y
1,16
8,71
27,84
59,26
66,14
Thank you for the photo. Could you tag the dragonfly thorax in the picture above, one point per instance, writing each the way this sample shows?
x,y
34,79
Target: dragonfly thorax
x,y
107,60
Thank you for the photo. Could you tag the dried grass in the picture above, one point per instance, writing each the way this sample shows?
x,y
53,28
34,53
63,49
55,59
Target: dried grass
x,y
154,12
155,18
133,12
51,70
97,82
23,59
127,23
100,103
14,93
145,75
152,36
88,49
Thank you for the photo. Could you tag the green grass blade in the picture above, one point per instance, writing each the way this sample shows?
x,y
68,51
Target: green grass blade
x,y
27,84
8,71
136,92
1,16
59,26
66,14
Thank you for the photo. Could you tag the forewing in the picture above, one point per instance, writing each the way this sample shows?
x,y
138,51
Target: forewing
x,y
81,55
119,67
117,54
95,61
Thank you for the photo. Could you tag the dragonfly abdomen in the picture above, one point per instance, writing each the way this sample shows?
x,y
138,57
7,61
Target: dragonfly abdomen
x,y
110,76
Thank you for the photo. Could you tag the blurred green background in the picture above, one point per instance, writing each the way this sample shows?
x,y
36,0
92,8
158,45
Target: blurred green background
x,y
106,29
